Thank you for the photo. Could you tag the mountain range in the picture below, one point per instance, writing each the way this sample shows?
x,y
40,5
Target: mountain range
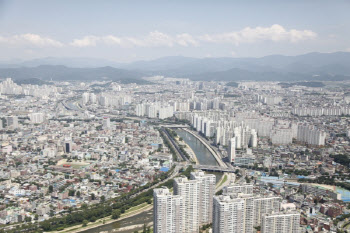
x,y
308,67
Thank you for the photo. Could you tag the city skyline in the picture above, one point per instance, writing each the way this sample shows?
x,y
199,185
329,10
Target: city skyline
x,y
165,116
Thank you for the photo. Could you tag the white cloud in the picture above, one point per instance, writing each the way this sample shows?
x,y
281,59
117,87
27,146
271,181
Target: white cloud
x,y
186,40
86,41
153,39
159,39
274,33
30,40
112,40
250,35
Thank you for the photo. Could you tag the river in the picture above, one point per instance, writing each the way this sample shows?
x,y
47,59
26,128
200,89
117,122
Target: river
x,y
204,157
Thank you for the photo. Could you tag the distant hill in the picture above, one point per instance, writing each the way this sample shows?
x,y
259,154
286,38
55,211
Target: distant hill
x,y
48,72
32,81
312,63
306,67
75,62
244,75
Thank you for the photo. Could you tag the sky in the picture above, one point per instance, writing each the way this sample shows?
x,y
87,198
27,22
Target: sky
x,y
125,31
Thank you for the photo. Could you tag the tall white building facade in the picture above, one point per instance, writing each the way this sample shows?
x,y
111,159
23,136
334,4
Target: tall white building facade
x,y
311,135
207,191
36,118
168,212
238,209
231,151
232,214
288,222
265,205
189,190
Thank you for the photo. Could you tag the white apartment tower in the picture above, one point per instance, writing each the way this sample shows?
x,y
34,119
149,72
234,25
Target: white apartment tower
x,y
239,210
311,135
106,123
207,191
238,188
231,151
168,211
265,205
288,222
36,118
189,190
233,214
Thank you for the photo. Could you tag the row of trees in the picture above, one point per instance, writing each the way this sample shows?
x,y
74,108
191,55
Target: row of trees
x,y
173,134
341,159
168,144
114,207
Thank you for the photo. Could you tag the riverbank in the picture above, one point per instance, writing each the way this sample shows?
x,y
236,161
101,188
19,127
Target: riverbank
x,y
188,149
106,220
132,223
211,150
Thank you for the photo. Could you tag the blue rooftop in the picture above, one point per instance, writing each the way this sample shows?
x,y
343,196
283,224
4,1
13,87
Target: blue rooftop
x,y
164,169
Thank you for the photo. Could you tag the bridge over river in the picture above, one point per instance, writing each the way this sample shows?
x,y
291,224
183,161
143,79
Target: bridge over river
x,y
214,168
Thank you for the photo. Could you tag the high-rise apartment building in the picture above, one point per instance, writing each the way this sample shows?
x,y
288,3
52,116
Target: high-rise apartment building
x,y
36,118
168,211
231,151
265,205
238,188
281,222
189,190
239,210
207,191
12,122
311,135
233,214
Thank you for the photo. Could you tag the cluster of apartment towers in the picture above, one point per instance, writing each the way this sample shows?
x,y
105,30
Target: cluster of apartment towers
x,y
238,209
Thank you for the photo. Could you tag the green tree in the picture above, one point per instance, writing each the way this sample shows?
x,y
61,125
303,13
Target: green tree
x,y
71,192
85,222
50,189
46,226
116,214
52,213
36,217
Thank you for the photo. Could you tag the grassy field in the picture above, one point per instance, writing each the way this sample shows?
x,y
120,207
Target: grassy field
x,y
223,180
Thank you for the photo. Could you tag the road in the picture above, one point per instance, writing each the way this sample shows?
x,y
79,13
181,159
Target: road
x,y
231,177
184,158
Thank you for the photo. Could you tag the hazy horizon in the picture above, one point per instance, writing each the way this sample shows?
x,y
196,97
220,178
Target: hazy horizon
x,y
18,60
